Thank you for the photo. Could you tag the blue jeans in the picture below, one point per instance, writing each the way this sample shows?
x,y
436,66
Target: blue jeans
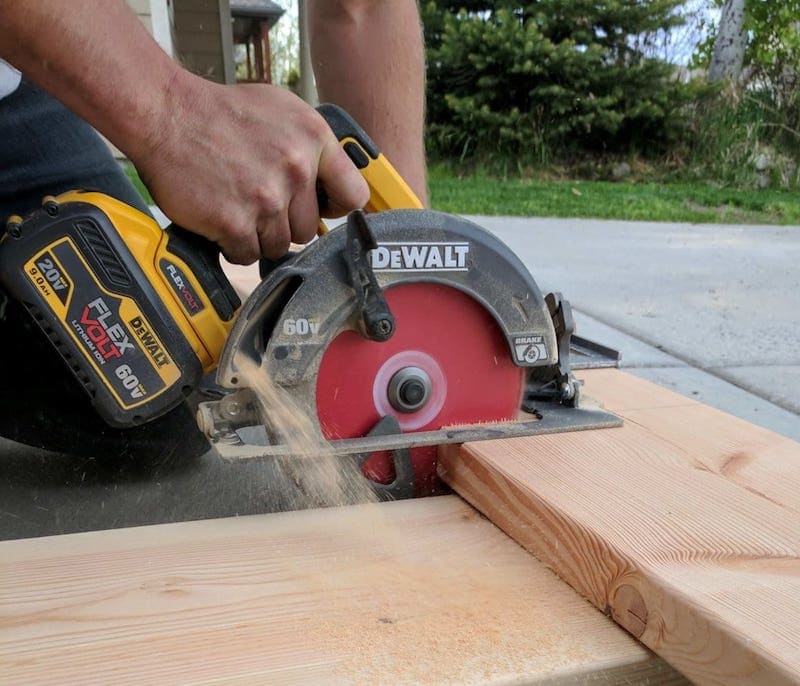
x,y
45,149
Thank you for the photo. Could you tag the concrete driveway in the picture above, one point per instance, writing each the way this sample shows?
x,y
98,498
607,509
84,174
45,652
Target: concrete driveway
x,y
712,311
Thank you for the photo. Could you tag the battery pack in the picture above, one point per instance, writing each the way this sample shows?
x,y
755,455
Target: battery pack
x,y
136,312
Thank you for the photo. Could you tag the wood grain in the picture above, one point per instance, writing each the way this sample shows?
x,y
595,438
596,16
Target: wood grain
x,y
422,591
759,460
683,525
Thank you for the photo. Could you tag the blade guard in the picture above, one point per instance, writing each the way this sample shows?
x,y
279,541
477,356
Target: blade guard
x,y
306,301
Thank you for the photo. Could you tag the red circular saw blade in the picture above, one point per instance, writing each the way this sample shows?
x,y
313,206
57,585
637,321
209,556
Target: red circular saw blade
x,y
449,335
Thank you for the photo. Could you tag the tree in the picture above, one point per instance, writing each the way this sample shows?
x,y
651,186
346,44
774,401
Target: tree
x,y
285,44
773,50
550,77
762,35
769,51
758,119
773,61
730,43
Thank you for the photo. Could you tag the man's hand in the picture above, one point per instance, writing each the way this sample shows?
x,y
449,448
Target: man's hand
x,y
238,164
242,166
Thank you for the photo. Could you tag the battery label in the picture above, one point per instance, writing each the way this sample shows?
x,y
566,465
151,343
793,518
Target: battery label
x,y
48,276
111,331
180,284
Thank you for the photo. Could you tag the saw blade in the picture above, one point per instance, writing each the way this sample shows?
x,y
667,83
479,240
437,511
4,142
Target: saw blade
x,y
447,363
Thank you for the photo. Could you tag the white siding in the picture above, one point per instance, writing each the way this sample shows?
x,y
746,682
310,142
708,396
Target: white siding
x,y
154,14
142,8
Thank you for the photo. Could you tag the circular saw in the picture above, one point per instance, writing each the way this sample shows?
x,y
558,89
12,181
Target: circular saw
x,y
394,333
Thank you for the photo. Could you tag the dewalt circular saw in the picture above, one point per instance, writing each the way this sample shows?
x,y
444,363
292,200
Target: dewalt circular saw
x,y
397,331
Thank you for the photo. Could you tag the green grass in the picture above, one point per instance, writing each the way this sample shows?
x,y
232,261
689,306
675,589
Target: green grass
x,y
134,177
674,202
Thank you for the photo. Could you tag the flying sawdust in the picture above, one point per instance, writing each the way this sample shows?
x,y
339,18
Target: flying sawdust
x,y
321,478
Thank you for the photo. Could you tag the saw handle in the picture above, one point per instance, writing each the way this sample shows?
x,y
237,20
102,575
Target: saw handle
x,y
387,189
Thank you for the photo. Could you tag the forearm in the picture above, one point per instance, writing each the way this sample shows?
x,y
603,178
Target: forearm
x,y
368,57
97,58
238,164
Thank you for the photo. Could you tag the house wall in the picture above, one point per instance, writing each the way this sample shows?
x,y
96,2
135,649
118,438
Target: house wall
x,y
203,38
155,15
196,32
142,8
191,31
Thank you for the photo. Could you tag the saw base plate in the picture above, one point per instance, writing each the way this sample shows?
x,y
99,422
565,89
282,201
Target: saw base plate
x,y
555,419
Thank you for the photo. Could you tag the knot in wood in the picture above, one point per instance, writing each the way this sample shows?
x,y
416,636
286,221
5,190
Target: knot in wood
x,y
629,610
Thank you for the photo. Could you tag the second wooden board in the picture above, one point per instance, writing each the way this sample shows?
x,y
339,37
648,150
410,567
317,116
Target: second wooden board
x,y
682,524
416,592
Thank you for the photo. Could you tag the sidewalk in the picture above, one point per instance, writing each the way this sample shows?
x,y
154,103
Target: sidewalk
x,y
710,311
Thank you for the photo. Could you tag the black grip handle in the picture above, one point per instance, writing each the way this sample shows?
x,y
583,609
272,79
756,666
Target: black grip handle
x,y
344,126
202,257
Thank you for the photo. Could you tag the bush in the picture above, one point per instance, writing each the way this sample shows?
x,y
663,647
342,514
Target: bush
x,y
547,81
738,139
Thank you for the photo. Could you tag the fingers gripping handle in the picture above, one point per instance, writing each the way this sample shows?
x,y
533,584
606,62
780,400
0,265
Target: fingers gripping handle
x,y
388,190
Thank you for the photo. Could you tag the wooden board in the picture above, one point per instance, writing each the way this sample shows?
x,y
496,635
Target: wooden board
x,y
422,591
683,524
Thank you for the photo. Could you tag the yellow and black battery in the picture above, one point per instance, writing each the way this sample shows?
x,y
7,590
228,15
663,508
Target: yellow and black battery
x,y
137,313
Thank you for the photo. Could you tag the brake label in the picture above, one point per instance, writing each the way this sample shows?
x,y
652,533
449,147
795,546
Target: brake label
x,y
530,349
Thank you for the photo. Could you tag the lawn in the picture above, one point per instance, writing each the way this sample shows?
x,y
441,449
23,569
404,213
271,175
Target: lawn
x,y
674,202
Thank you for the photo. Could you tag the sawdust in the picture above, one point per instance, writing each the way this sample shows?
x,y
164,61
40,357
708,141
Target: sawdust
x,y
320,478
420,622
